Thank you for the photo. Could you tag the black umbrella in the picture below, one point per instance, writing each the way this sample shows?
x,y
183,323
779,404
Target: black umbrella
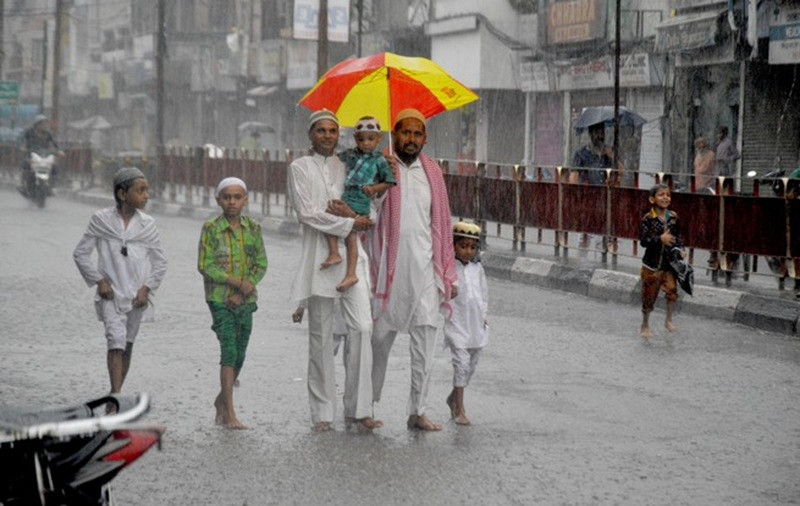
x,y
605,114
684,272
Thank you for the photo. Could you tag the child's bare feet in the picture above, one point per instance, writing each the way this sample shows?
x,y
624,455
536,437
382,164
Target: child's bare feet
x,y
219,418
670,327
364,424
451,403
346,283
331,261
646,334
233,423
421,422
461,419
322,427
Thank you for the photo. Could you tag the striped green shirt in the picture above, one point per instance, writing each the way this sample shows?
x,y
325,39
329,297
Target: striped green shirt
x,y
224,253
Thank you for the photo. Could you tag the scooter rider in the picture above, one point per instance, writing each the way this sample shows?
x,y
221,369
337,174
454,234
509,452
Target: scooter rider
x,y
36,139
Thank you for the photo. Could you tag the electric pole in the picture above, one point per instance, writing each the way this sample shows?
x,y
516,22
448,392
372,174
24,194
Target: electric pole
x,y
2,46
322,38
57,63
160,55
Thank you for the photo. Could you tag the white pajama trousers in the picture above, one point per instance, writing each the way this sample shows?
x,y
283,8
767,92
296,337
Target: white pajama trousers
x,y
465,361
358,356
422,345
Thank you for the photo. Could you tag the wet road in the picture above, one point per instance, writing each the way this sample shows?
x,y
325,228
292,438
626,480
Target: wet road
x,y
568,406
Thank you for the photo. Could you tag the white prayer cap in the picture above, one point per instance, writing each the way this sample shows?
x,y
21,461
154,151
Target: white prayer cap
x,y
230,181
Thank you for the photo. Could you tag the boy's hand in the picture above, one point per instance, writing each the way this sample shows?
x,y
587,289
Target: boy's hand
x,y
234,301
297,316
667,239
453,292
247,288
369,191
141,296
392,161
104,289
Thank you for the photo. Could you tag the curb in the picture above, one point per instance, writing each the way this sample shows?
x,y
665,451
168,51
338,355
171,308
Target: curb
x,y
773,314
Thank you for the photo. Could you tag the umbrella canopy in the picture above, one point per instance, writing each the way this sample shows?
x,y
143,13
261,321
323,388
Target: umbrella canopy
x,y
253,125
605,114
684,273
90,123
384,84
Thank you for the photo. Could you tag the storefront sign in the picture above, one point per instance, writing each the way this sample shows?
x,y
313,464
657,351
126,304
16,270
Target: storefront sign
x,y
636,70
306,14
534,76
690,4
268,62
784,35
575,21
683,33
301,71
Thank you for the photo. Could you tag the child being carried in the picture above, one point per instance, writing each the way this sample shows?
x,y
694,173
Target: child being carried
x,y
368,175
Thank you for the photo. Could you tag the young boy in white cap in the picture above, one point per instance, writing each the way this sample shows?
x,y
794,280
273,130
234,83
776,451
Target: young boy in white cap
x,y
466,333
232,260
368,174
130,266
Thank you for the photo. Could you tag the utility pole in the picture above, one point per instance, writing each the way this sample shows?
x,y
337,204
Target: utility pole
x,y
44,67
360,6
322,38
160,55
2,46
57,64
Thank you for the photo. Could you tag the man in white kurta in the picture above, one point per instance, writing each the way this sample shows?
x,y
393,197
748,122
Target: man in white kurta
x,y
413,303
314,181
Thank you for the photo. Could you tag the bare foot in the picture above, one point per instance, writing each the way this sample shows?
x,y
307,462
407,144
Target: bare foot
x,y
646,334
421,422
365,424
331,261
219,418
346,283
670,327
462,419
233,423
451,403
322,426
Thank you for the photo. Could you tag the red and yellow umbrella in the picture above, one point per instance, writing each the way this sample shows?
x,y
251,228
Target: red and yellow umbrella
x,y
384,84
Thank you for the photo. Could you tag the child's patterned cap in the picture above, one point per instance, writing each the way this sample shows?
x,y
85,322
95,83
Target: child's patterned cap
x,y
368,125
466,229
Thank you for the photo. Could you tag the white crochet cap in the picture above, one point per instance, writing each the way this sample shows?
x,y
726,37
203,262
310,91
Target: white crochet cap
x,y
230,181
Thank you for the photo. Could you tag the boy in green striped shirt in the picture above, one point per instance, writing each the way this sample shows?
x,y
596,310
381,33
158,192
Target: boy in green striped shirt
x,y
232,260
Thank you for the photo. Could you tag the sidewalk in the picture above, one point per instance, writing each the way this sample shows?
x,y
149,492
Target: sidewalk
x,y
755,304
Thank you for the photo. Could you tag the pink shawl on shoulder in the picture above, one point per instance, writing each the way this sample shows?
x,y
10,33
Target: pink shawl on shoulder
x,y
385,235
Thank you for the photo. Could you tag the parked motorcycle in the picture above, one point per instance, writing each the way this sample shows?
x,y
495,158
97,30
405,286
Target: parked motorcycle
x,y
68,456
39,184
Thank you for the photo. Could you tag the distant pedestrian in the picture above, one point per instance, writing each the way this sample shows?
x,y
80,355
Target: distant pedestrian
x,y
368,175
704,168
659,232
232,260
726,154
587,163
130,266
466,333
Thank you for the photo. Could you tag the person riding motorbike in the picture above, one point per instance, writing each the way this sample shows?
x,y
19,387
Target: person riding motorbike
x,y
36,139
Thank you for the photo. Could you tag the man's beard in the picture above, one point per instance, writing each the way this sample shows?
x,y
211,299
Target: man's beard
x,y
406,158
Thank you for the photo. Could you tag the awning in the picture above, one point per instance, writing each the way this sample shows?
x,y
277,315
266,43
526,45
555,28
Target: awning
x,y
688,32
91,123
262,91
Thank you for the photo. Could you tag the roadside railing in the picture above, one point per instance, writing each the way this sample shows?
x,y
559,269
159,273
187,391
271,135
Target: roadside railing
x,y
520,206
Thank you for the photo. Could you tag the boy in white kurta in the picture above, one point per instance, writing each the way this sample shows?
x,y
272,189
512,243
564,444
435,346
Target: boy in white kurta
x,y
466,332
130,266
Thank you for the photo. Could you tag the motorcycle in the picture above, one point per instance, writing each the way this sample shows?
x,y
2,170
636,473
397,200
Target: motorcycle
x,y
39,184
68,456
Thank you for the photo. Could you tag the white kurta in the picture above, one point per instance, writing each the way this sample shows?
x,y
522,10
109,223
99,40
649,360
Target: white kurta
x,y
143,265
414,300
313,182
466,327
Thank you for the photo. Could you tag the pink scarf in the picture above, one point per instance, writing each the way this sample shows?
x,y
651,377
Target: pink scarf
x,y
384,240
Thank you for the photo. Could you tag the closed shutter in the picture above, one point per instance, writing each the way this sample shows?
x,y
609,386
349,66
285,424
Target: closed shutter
x,y
650,106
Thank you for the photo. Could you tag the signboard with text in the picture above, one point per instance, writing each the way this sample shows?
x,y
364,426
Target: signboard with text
x,y
9,90
306,13
784,34
575,21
